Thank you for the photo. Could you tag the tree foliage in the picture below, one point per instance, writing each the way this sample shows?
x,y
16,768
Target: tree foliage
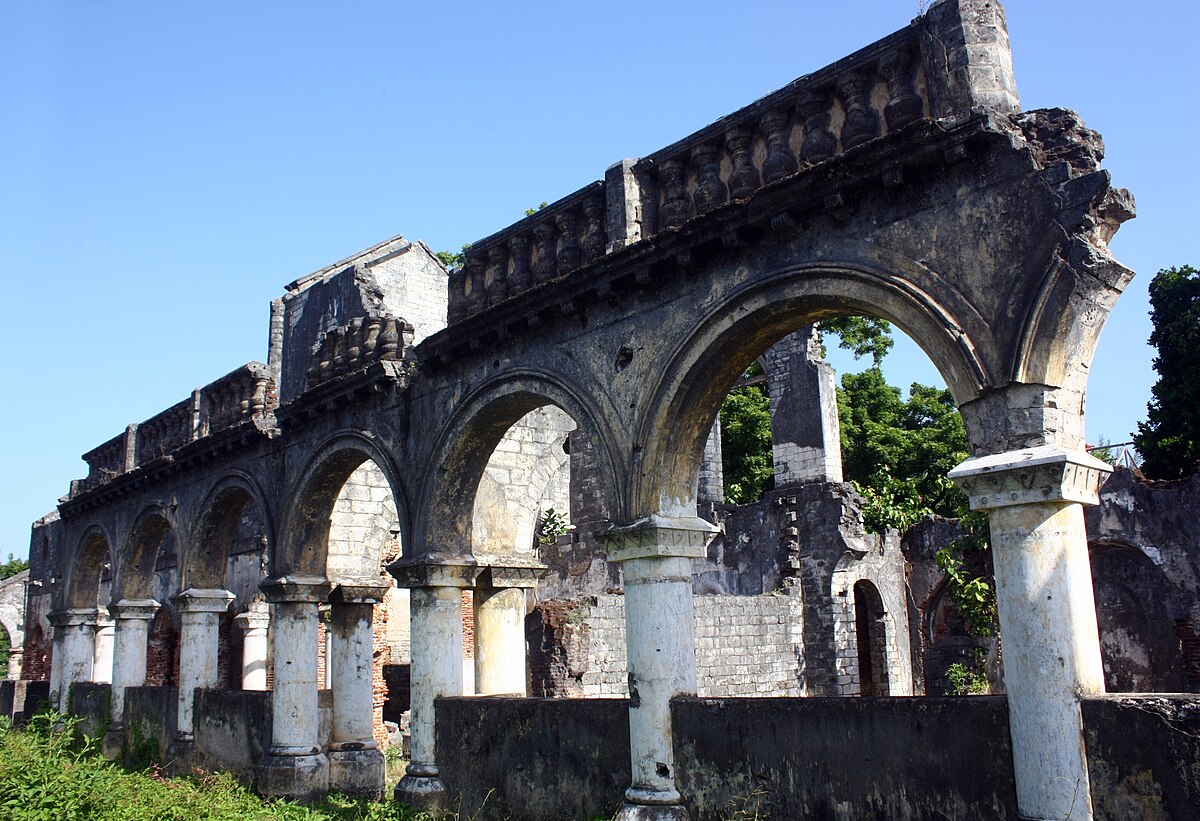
x,y
1169,439
861,335
747,462
12,567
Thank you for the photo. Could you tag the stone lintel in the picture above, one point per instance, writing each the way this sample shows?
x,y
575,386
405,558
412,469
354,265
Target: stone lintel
x,y
659,536
134,609
1033,475
499,572
435,570
282,589
359,591
202,600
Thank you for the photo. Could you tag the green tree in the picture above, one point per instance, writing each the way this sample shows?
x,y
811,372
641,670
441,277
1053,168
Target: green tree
x,y
1169,439
861,335
897,452
746,459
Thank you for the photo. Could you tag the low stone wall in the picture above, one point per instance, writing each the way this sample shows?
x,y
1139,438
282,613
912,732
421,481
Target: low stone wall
x,y
19,700
91,703
1144,756
233,730
827,758
150,724
537,759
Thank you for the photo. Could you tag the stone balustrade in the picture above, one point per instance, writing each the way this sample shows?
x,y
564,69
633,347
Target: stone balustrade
x,y
365,340
870,94
247,393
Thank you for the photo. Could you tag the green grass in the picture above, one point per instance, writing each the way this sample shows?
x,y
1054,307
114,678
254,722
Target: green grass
x,y
55,774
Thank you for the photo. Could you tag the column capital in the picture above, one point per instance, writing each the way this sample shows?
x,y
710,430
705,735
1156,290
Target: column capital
x,y
359,591
435,570
255,617
500,572
1046,473
202,600
659,536
281,589
72,617
134,609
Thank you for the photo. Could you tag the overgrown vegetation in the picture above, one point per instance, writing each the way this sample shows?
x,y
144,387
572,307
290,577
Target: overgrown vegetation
x,y
50,772
1169,439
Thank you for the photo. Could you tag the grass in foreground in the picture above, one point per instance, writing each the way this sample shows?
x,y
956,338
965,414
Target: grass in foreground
x,y
49,774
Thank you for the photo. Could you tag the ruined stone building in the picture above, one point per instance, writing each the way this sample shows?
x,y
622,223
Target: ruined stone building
x,y
247,579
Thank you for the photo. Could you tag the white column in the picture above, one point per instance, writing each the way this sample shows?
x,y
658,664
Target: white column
x,y
73,653
356,764
656,562
437,670
132,631
295,768
1047,613
102,647
500,625
199,640
15,656
254,623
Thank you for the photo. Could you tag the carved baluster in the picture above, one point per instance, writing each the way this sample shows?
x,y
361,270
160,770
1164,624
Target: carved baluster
x,y
476,296
743,178
521,276
861,123
354,343
594,238
676,207
325,354
457,309
497,276
819,144
370,337
544,267
389,339
570,256
339,351
710,191
258,401
780,161
904,105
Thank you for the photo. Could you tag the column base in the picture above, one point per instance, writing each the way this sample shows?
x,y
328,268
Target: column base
x,y
425,793
302,778
651,812
358,772
179,755
112,746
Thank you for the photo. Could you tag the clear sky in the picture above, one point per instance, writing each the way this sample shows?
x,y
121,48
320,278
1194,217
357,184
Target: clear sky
x,y
167,167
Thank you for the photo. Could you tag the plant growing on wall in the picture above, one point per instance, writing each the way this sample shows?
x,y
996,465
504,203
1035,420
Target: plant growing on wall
x,y
550,526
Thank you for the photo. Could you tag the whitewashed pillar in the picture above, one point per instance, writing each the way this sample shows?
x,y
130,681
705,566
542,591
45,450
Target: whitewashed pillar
x,y
102,647
74,653
131,636
1034,499
436,585
15,657
656,562
254,623
295,768
500,624
199,641
356,763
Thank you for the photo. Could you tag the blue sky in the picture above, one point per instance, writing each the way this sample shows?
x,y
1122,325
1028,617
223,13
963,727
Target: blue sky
x,y
169,166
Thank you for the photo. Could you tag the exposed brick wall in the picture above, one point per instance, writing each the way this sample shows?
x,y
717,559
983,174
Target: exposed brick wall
x,y
162,652
35,666
468,610
380,656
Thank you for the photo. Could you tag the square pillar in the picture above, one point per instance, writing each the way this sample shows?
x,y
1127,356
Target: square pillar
x,y
436,583
1034,499
295,768
254,623
131,633
74,653
656,561
500,623
356,763
199,640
